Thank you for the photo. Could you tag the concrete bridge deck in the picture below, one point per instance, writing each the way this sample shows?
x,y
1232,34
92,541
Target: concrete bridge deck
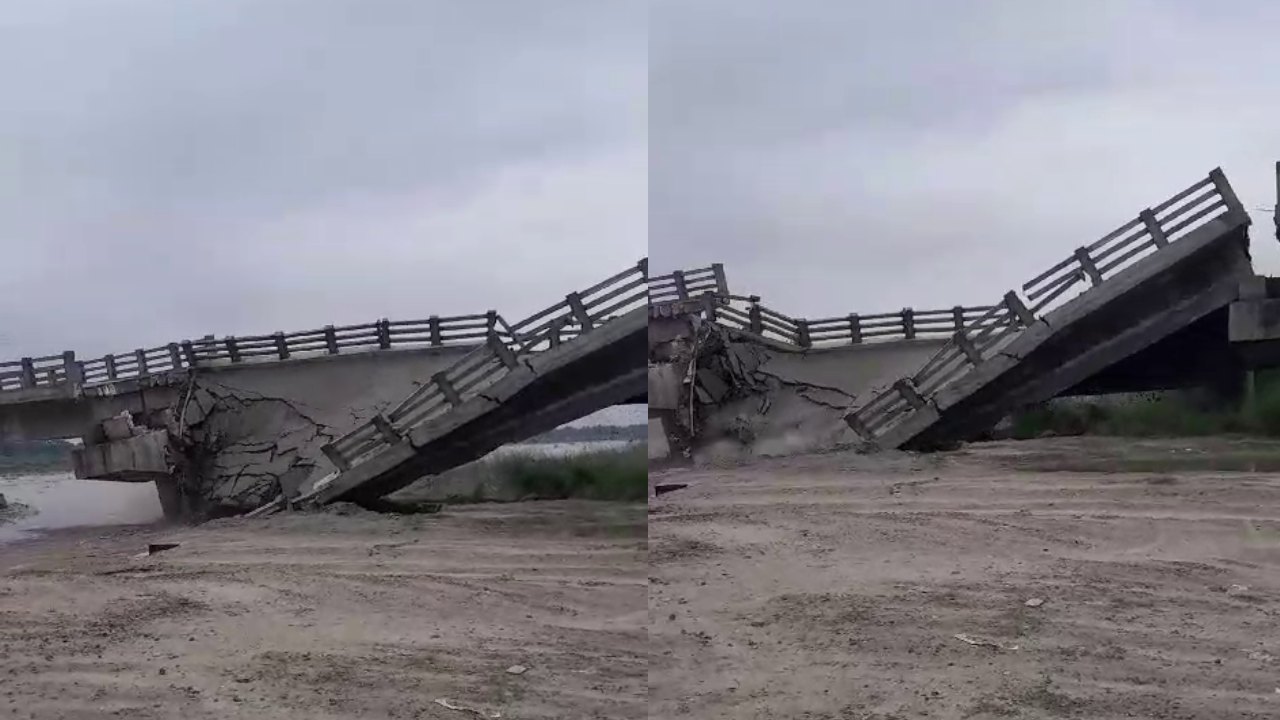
x,y
501,393
1168,300
1173,266
227,425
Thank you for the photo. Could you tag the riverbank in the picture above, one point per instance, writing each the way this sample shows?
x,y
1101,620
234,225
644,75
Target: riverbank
x,y
338,614
1072,577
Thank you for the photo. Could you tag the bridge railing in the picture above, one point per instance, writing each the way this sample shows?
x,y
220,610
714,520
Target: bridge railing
x,y
578,314
684,285
746,313
435,331
38,372
708,287
1088,267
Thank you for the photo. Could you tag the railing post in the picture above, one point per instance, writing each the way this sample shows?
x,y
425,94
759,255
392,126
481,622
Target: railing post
x,y
384,334
855,423
72,370
709,306
966,346
446,387
855,329
501,350
110,362
141,356
909,393
331,339
682,290
957,316
1277,214
722,285
282,346
175,356
579,311
385,429
189,349
233,350
1087,264
643,266
1148,218
335,457
1228,194
802,333
491,321
433,323
908,323
553,331
754,318
28,373
1018,309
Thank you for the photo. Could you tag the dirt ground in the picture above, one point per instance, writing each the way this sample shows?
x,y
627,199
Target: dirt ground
x,y
333,616
1055,578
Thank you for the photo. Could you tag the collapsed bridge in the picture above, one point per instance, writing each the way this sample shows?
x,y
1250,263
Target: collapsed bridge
x,y
1167,300
348,412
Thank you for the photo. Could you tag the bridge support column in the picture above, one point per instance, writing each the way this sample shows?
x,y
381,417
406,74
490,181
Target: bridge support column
x,y
171,499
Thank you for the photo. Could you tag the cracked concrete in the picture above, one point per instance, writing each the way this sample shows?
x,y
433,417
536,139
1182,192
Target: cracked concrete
x,y
238,436
757,399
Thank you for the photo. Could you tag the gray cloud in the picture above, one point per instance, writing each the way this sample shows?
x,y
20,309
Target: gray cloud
x,y
252,165
845,156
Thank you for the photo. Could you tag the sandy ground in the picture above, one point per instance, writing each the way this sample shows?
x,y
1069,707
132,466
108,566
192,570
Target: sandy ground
x,y
333,616
835,586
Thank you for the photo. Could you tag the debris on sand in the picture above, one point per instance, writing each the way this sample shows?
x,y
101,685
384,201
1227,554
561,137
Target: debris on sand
x,y
517,670
449,704
1034,602
11,511
345,509
982,642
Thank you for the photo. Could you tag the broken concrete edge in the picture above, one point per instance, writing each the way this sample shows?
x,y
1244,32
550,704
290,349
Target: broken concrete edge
x,y
531,368
1220,229
739,334
67,391
1098,357
566,408
1148,330
1030,338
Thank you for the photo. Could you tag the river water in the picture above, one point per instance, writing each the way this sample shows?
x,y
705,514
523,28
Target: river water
x,y
61,501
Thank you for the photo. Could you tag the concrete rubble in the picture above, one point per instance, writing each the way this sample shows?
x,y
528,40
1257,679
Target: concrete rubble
x,y
236,450
738,395
220,450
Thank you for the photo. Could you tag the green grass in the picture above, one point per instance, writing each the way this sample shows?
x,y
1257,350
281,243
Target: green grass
x,y
1180,414
601,475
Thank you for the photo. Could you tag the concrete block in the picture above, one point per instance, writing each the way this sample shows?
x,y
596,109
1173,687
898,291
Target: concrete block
x,y
665,330
659,448
1253,287
119,427
664,387
715,386
1253,320
136,458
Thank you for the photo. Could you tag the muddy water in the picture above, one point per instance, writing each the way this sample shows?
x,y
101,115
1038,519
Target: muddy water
x,y
60,501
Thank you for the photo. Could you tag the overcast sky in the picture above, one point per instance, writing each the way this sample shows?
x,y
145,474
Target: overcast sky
x,y
170,169
178,168
844,156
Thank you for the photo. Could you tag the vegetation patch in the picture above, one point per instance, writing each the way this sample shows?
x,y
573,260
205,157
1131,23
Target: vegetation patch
x,y
1174,414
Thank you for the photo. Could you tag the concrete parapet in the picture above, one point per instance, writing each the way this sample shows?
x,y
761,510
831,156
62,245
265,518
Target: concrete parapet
x,y
135,458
